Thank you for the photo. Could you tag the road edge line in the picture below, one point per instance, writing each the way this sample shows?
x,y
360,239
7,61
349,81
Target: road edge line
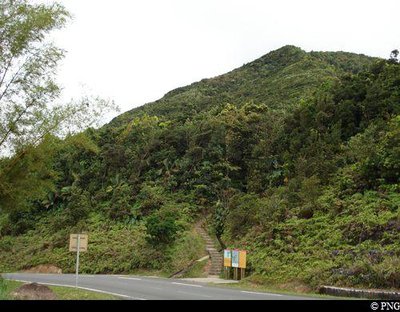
x,y
183,284
260,293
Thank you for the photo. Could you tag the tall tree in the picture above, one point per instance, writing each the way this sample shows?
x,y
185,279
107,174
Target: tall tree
x,y
28,91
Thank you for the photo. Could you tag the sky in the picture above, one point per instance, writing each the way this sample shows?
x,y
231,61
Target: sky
x,y
135,51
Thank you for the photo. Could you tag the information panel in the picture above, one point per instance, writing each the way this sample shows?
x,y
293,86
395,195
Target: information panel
x,y
242,259
235,258
227,258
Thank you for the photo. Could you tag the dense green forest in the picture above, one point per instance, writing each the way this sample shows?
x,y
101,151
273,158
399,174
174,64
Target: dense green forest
x,y
294,157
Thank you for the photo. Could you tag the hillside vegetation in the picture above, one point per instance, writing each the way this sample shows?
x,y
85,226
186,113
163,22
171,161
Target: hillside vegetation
x,y
294,157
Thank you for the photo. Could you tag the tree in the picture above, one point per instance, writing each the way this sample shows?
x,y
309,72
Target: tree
x,y
28,91
393,56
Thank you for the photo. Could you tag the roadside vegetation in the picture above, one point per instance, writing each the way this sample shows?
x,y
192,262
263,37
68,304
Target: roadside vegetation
x,y
294,157
7,287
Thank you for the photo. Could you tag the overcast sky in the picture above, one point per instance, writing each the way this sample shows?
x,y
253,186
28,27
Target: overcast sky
x,y
134,51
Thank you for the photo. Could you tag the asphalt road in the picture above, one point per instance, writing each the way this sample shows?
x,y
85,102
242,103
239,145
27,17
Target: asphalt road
x,y
150,288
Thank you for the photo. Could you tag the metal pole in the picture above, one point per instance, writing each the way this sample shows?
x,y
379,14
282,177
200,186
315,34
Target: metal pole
x,y
77,260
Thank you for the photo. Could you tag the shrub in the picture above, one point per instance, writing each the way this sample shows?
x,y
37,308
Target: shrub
x,y
162,227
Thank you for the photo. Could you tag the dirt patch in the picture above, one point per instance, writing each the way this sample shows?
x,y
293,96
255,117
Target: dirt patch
x,y
44,268
207,267
34,291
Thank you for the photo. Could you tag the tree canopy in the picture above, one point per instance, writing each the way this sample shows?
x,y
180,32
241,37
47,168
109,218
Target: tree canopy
x,y
29,111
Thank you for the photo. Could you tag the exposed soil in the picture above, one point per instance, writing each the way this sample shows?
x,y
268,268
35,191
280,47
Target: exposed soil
x,y
34,291
207,267
44,268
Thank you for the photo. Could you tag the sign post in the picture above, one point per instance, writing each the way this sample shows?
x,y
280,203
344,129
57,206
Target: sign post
x,y
235,259
77,261
78,243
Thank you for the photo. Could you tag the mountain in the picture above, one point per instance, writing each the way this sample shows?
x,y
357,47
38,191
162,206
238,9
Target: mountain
x,y
293,157
279,79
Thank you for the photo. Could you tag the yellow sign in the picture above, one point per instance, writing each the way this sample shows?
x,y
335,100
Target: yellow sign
x,y
227,258
242,259
73,242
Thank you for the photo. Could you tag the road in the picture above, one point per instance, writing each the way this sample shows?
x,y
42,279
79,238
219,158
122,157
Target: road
x,y
150,288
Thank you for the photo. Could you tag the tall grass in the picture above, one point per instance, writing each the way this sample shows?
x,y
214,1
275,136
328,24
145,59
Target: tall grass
x,y
3,289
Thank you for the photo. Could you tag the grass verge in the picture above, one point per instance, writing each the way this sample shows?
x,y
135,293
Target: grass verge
x,y
62,293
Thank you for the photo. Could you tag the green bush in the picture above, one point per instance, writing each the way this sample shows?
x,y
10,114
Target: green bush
x,y
162,227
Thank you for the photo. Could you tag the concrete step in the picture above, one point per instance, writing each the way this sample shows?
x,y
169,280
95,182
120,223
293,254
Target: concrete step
x,y
214,255
216,258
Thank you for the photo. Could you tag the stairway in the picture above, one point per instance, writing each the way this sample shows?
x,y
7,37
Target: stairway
x,y
215,256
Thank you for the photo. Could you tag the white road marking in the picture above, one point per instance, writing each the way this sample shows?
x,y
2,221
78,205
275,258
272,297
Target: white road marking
x,y
258,293
85,288
176,283
131,278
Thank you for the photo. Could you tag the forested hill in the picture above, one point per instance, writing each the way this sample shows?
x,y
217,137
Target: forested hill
x,y
279,79
294,157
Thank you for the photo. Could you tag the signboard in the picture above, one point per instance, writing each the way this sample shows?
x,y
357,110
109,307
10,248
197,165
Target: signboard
x,y
78,243
242,259
73,242
227,258
235,258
